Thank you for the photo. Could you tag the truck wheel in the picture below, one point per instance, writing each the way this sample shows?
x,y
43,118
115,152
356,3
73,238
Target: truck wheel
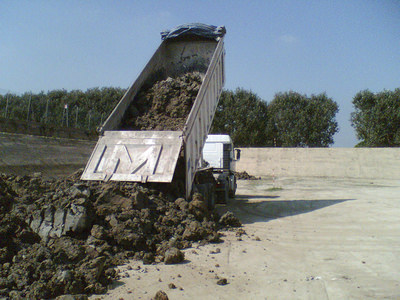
x,y
221,197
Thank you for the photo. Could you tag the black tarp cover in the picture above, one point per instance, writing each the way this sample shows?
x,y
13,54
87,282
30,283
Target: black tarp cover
x,y
199,29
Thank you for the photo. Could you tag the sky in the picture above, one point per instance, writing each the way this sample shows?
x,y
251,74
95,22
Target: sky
x,y
310,47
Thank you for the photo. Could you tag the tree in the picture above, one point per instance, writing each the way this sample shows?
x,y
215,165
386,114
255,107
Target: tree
x,y
376,118
300,121
244,116
84,108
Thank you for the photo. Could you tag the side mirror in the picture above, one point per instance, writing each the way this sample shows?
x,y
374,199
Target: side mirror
x,y
237,154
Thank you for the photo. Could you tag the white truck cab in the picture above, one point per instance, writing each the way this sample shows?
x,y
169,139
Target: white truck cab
x,y
218,154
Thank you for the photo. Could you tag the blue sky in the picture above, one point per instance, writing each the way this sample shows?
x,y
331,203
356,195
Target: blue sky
x,y
311,47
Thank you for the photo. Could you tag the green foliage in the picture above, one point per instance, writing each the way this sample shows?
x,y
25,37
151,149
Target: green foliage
x,y
300,121
244,116
86,110
376,118
290,120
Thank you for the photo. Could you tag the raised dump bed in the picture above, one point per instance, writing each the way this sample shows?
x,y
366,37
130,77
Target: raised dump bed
x,y
169,107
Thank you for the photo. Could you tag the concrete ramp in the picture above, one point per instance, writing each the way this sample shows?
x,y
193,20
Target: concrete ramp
x,y
25,154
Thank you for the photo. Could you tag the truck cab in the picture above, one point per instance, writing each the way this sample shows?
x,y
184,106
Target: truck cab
x,y
218,154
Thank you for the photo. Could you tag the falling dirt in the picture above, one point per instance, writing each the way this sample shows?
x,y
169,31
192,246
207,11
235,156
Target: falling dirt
x,y
163,106
66,236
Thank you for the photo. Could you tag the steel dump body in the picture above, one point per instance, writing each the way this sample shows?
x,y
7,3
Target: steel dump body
x,y
151,156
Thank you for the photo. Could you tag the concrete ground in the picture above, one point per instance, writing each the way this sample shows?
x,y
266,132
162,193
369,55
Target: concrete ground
x,y
308,238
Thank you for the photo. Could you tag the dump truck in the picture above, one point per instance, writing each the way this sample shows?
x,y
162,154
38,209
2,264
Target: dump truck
x,y
152,155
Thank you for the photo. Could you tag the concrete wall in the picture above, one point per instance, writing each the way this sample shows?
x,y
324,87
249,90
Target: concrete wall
x,y
25,154
377,163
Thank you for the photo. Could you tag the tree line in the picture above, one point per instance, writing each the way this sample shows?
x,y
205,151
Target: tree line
x,y
376,118
289,120
295,120
78,109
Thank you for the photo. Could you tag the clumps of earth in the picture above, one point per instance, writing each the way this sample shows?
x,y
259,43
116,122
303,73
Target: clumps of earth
x,y
66,236
245,176
163,106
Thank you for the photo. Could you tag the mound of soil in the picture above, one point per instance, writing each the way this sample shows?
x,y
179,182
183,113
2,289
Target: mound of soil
x,y
245,176
66,236
163,106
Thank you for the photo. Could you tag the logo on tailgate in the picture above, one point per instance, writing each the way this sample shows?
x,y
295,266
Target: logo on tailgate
x,y
120,161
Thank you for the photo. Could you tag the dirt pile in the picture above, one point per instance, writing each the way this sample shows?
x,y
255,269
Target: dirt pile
x,y
65,236
163,106
245,176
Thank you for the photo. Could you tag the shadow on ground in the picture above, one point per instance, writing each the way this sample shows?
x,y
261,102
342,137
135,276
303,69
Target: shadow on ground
x,y
247,197
251,212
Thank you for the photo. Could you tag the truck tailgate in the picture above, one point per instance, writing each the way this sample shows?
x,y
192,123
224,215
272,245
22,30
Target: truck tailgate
x,y
141,156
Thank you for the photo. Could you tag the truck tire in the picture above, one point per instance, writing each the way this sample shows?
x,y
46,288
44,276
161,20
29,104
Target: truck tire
x,y
221,197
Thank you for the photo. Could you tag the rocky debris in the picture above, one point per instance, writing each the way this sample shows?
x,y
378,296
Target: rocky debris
x,y
160,295
216,251
222,281
245,176
198,206
171,286
65,237
240,232
173,256
165,105
148,258
229,220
